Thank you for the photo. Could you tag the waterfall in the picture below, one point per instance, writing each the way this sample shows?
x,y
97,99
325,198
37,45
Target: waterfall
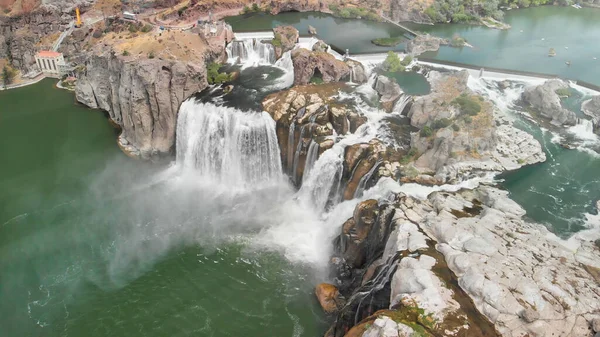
x,y
365,179
251,52
311,158
297,155
324,178
227,145
290,149
584,130
402,103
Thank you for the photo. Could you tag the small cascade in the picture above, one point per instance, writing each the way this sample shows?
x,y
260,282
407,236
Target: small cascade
x,y
297,155
362,184
584,130
226,145
251,52
311,158
324,178
287,65
290,149
403,104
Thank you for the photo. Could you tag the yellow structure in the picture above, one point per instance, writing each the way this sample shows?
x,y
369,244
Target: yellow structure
x,y
78,22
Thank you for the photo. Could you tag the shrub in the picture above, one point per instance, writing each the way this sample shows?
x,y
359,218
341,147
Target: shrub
x,y
255,7
455,127
8,75
387,41
126,53
457,41
97,34
133,28
441,123
426,131
147,28
316,80
409,156
216,77
151,55
246,10
563,92
392,63
276,42
468,105
468,120
406,60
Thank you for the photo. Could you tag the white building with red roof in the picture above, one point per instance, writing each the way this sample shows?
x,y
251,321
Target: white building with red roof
x,y
50,62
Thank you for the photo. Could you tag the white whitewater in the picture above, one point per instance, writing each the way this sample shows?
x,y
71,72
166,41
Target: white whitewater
x,y
251,52
227,145
311,158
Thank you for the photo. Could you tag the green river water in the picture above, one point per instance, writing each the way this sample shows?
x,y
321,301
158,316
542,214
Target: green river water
x,y
93,243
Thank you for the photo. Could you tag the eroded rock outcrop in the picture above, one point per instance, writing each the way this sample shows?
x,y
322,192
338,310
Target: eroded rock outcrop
x,y
545,101
423,43
308,64
461,132
285,39
591,108
141,96
389,92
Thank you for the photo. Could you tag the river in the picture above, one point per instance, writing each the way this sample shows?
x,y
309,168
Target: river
x,y
573,33
93,243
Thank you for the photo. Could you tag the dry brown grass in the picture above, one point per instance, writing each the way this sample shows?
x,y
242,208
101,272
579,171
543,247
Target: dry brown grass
x,y
174,45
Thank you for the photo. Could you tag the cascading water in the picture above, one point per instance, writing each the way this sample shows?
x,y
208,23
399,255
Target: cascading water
x,y
311,158
365,179
251,52
401,105
226,145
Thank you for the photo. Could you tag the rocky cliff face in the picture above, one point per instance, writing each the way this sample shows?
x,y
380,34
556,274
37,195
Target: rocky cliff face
x,y
591,108
21,35
142,97
545,101
320,64
463,262
285,39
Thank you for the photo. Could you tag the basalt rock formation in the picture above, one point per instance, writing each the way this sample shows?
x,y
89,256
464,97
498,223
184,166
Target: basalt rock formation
x,y
591,108
456,139
285,39
389,92
308,64
141,96
461,264
309,120
423,43
545,101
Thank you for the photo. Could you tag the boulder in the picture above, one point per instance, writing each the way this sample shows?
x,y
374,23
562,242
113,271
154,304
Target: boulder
x,y
596,324
308,64
544,100
285,39
320,46
329,297
389,92
530,315
358,74
312,30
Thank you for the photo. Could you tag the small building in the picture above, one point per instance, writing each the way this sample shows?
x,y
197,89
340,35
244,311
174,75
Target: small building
x,y
50,62
129,16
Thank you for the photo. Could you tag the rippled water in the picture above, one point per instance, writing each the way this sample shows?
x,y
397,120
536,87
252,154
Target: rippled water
x,y
93,243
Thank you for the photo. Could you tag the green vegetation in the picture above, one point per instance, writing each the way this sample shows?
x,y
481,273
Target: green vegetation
x,y
255,8
182,10
393,63
455,127
457,41
426,131
133,28
147,28
354,13
387,41
276,42
8,75
316,80
151,55
214,76
410,156
468,105
441,123
126,52
563,92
